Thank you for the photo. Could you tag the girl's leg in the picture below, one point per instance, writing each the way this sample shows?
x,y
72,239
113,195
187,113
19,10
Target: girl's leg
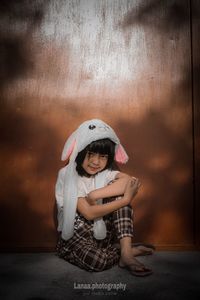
x,y
86,252
128,252
123,221
124,227
94,259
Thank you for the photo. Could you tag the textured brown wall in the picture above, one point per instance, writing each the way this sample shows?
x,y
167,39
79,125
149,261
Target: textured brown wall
x,y
195,24
127,62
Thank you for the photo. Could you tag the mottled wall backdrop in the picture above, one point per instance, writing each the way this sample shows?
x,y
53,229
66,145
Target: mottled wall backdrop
x,y
133,64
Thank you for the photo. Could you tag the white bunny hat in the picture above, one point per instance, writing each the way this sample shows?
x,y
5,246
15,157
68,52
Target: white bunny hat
x,y
87,132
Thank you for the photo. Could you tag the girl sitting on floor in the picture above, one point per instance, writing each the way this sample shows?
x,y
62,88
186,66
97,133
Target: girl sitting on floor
x,y
94,203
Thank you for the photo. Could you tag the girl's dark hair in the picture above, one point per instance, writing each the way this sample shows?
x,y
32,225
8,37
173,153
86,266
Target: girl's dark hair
x,y
103,146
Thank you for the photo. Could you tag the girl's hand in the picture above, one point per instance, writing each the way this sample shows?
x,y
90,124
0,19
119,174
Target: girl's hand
x,y
131,189
90,199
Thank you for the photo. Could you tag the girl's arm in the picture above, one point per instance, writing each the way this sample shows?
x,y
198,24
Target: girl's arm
x,y
91,212
117,188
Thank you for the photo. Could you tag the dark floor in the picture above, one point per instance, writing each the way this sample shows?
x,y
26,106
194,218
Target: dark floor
x,y
44,276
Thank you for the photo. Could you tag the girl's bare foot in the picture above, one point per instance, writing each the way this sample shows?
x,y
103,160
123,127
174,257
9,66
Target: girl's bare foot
x,y
134,267
142,250
130,261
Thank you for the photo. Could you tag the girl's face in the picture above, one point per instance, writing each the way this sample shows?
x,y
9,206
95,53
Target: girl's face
x,y
94,162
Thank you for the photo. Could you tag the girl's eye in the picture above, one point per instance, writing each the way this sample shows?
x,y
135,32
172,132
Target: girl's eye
x,y
91,154
104,156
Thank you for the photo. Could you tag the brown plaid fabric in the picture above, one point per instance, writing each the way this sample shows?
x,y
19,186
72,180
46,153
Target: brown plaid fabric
x,y
85,251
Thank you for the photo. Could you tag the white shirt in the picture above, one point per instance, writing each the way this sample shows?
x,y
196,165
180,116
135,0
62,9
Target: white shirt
x,y
85,186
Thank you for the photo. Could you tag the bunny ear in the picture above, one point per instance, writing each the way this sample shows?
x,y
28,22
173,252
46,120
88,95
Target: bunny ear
x,y
121,155
69,147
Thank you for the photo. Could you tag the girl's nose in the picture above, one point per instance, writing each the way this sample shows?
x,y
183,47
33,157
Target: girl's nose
x,y
95,159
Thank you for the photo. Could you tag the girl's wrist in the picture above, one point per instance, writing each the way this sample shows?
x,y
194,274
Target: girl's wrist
x,y
125,200
92,197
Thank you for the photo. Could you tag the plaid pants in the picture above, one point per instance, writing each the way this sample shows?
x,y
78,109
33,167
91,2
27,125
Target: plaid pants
x,y
84,251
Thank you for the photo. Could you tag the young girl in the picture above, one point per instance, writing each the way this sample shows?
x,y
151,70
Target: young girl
x,y
94,202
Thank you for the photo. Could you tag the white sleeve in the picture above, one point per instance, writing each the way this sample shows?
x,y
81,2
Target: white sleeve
x,y
59,193
82,191
110,176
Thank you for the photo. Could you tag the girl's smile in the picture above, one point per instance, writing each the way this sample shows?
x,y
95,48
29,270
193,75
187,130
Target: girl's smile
x,y
94,162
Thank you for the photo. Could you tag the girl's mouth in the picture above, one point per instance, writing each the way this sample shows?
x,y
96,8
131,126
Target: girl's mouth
x,y
94,168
